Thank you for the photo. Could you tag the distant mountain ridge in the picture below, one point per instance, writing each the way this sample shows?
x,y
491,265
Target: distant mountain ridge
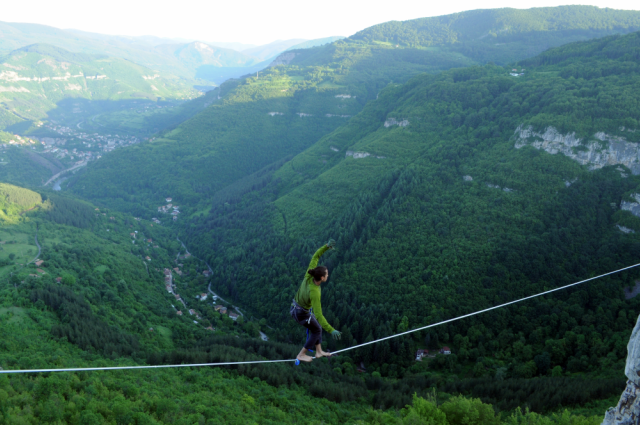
x,y
196,53
182,58
325,85
485,34
271,49
497,23
33,79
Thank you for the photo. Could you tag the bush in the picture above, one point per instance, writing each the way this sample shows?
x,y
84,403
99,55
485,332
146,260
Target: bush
x,y
423,412
469,411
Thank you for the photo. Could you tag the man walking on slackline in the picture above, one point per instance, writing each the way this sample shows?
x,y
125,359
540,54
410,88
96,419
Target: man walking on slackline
x,y
307,297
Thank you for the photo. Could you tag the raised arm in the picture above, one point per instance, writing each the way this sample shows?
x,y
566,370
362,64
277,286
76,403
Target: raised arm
x,y
316,257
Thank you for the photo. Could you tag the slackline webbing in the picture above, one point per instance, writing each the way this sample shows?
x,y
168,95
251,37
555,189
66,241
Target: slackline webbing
x,y
87,369
487,309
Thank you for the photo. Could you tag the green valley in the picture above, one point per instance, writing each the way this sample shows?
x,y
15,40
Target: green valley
x,y
460,162
264,118
90,298
440,208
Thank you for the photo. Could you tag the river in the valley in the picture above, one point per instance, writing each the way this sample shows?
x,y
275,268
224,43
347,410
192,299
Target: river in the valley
x,y
56,185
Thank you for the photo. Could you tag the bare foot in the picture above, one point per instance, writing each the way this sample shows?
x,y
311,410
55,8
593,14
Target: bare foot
x,y
304,358
320,354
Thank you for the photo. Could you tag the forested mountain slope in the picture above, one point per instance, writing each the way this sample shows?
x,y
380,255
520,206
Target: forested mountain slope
x,y
81,286
452,193
447,193
264,118
76,290
36,78
504,35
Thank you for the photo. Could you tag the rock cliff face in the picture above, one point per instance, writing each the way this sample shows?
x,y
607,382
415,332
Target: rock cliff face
x,y
627,412
283,59
634,207
601,151
359,155
392,121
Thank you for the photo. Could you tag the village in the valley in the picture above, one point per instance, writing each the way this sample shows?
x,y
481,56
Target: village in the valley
x,y
170,286
72,146
93,145
181,306
169,208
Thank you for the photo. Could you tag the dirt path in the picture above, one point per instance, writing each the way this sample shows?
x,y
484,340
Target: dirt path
x,y
39,249
36,257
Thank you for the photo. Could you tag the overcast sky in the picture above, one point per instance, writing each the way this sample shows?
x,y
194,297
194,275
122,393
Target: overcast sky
x,y
247,21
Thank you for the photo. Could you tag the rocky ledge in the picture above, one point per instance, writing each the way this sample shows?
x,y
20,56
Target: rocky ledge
x,y
633,207
597,152
627,412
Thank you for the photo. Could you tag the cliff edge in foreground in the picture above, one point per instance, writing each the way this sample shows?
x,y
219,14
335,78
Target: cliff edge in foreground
x,y
627,412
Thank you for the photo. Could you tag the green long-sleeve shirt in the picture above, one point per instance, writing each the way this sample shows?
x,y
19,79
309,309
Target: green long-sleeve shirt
x,y
308,295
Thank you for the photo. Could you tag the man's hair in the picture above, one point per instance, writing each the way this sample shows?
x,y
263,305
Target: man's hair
x,y
318,273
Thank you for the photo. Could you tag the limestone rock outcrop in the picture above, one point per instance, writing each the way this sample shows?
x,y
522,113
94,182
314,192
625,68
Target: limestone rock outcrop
x,y
283,59
634,207
392,121
359,155
601,150
627,412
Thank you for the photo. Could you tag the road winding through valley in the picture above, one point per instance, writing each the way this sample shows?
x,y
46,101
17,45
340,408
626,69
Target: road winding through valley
x,y
82,164
263,336
209,287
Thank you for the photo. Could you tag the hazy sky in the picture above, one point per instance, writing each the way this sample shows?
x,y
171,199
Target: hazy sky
x,y
247,21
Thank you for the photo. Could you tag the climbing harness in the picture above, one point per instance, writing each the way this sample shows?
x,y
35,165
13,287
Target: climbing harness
x,y
87,369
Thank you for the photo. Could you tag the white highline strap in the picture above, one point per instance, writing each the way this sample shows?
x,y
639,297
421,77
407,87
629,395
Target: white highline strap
x,y
486,309
85,369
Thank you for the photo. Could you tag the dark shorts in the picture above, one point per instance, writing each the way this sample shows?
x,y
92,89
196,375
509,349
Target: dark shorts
x,y
309,321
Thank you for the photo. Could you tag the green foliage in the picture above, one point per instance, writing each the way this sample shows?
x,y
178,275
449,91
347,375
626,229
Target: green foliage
x,y
424,412
503,35
68,211
564,418
539,394
21,167
416,240
235,136
15,200
463,411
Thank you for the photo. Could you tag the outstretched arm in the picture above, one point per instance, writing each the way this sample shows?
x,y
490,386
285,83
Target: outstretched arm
x,y
316,257
317,310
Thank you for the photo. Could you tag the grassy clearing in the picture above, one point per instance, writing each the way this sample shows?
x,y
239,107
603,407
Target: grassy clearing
x,y
17,247
384,43
15,315
330,85
201,212
174,132
101,269
162,139
166,335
